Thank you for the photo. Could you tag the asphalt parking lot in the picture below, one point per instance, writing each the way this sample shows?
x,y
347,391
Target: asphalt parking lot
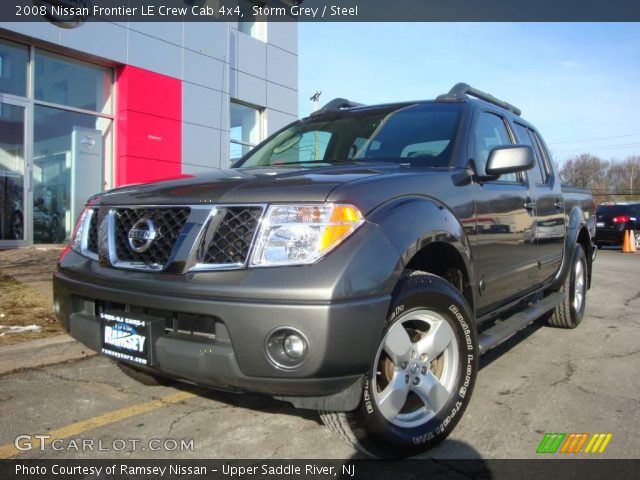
x,y
542,380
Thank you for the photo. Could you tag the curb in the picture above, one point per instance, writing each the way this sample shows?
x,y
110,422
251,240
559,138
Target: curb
x,y
41,352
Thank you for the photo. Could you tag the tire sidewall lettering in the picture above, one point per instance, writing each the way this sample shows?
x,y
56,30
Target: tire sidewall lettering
x,y
441,424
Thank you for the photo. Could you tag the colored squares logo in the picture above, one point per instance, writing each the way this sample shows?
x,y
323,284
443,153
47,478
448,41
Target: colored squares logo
x,y
574,443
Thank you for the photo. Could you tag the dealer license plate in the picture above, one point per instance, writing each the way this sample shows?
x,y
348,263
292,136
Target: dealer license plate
x,y
126,337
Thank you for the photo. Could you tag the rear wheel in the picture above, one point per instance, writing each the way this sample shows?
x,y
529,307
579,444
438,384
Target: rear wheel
x,y
422,375
568,314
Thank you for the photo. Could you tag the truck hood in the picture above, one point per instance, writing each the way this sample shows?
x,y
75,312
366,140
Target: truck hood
x,y
251,185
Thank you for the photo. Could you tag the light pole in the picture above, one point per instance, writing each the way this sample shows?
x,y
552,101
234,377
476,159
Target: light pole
x,y
314,106
314,100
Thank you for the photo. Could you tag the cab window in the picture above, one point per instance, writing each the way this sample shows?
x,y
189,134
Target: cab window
x,y
525,138
491,132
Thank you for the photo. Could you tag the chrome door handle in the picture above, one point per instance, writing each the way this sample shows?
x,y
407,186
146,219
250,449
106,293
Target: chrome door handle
x,y
529,205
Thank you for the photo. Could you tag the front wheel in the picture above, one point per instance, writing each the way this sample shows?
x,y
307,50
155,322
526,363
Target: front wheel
x,y
422,375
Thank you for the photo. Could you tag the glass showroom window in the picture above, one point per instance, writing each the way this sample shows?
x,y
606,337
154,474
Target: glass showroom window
x,y
72,141
72,83
14,59
68,167
12,170
246,129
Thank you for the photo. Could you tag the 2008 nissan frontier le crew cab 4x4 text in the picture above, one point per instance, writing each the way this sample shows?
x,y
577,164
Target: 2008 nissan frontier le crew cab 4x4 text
x,y
357,262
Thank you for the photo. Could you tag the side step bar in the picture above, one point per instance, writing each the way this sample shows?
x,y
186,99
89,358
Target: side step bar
x,y
497,334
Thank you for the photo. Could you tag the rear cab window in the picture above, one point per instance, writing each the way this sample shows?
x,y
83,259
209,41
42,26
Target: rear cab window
x,y
524,135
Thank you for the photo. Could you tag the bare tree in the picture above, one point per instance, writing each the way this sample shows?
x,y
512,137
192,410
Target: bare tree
x,y
608,180
586,171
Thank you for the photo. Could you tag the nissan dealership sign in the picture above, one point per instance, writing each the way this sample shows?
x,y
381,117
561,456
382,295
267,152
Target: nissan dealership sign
x,y
65,13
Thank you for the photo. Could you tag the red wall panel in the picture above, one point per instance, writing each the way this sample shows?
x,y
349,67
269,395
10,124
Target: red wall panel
x,y
148,125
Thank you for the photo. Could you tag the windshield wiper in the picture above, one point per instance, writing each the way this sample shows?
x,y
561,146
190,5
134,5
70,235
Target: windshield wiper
x,y
299,163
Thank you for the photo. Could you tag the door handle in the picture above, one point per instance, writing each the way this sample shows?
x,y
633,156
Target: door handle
x,y
529,205
558,204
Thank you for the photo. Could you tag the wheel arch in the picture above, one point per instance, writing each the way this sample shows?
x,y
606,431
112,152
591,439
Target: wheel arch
x,y
577,234
430,238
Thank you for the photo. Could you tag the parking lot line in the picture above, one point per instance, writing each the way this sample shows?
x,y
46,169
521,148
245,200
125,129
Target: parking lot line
x,y
9,450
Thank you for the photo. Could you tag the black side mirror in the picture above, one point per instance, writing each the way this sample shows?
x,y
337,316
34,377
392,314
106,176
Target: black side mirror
x,y
509,159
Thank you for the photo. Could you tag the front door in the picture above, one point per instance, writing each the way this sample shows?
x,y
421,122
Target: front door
x,y
14,174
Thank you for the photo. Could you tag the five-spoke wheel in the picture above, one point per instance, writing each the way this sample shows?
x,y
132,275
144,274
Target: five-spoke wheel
x,y
416,368
422,372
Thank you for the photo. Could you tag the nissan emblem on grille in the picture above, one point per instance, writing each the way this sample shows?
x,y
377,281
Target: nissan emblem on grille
x,y
142,235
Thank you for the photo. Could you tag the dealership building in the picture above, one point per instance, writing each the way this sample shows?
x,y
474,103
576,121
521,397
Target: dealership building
x,y
103,104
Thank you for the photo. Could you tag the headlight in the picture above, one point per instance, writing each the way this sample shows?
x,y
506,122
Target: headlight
x,y
302,234
82,224
78,231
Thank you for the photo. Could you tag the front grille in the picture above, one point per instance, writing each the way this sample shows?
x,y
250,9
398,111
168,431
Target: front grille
x,y
168,223
233,236
92,237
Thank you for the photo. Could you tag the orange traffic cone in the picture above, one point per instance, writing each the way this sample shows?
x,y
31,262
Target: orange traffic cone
x,y
626,245
632,240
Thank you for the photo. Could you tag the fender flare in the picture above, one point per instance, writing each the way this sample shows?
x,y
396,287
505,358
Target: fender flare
x,y
575,224
413,222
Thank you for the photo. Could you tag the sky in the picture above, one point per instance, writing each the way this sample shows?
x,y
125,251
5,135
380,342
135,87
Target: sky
x,y
578,83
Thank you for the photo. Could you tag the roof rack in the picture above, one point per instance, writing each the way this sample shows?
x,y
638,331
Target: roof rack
x,y
336,105
460,90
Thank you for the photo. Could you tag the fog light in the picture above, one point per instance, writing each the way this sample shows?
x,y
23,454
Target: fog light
x,y
286,348
294,346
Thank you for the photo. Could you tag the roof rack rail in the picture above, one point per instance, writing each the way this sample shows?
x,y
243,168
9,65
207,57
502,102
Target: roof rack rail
x,y
336,105
460,90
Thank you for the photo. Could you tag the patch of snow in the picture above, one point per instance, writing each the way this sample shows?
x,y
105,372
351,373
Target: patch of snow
x,y
27,328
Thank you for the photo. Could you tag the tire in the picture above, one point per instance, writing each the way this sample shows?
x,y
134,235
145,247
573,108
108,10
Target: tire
x,y
143,377
419,383
55,228
636,238
568,314
17,226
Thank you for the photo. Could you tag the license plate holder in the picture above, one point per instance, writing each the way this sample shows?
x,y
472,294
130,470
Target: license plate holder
x,y
130,336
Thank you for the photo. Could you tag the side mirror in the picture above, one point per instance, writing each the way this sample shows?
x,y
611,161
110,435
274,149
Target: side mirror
x,y
509,159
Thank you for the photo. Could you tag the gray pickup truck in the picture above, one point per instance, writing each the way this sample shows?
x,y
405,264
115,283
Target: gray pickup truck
x,y
357,262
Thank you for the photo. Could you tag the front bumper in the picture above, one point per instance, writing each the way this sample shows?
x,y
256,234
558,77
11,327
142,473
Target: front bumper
x,y
342,335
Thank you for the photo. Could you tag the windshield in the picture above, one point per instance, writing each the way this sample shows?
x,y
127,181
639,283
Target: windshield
x,y
420,134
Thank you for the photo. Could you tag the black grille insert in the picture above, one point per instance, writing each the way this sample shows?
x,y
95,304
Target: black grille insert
x,y
92,236
232,238
168,223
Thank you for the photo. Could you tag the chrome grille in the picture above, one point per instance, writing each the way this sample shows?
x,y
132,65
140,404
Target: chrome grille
x,y
232,237
168,222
